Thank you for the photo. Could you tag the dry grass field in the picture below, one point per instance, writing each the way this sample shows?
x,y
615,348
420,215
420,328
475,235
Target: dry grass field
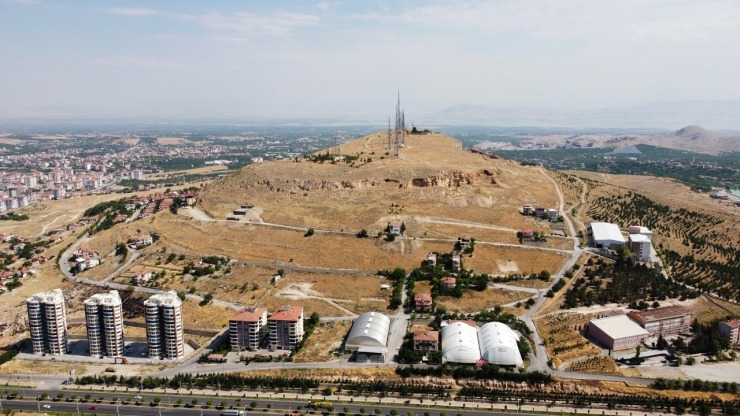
x,y
637,390
563,342
169,141
511,260
355,374
194,171
596,365
705,310
325,340
41,367
473,301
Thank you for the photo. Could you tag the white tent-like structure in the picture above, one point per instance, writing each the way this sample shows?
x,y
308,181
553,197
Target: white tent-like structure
x,y
498,344
369,330
460,343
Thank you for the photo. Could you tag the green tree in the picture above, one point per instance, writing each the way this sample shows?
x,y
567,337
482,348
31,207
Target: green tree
x,y
346,409
179,402
209,402
60,395
44,395
157,400
690,361
362,410
394,412
194,402
253,405
378,411
87,396
679,361
309,233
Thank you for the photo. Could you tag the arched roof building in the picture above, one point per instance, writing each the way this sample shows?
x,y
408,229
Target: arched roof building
x,y
460,343
369,330
498,344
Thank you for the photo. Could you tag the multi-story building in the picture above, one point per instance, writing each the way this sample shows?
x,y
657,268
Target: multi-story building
x,y
731,330
247,328
164,329
47,322
640,245
104,321
286,327
667,321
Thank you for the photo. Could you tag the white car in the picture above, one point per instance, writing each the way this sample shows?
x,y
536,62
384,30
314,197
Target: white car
x,y
137,397
46,406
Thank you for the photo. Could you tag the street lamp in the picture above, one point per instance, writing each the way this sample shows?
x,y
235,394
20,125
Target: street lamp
x,y
117,407
201,409
38,402
78,405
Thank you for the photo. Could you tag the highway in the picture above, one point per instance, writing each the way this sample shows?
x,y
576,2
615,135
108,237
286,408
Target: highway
x,y
169,406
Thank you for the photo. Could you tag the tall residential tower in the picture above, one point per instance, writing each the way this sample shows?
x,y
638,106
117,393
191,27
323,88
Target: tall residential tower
x,y
47,322
104,320
164,330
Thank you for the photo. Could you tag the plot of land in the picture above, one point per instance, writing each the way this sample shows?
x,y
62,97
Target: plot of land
x,y
564,342
473,301
325,340
511,260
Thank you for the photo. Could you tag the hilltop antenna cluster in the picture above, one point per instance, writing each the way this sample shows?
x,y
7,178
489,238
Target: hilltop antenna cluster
x,y
399,130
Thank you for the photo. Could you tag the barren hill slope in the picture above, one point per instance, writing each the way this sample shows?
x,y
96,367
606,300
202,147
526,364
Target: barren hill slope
x,y
433,177
692,138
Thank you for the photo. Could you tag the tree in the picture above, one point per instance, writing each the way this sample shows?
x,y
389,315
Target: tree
x,y
690,361
362,410
209,402
179,402
207,298
679,361
378,411
346,409
253,405
60,395
637,353
194,402
87,396
390,237
157,400
662,343
44,395
223,403
362,233
309,233
394,412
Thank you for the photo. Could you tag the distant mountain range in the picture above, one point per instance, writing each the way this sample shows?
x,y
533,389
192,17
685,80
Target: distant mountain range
x,y
718,115
695,139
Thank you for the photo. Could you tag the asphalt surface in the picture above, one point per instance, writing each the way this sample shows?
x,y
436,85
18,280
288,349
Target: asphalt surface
x,y
168,406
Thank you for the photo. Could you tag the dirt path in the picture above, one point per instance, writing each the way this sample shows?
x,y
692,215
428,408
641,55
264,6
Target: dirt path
x,y
303,291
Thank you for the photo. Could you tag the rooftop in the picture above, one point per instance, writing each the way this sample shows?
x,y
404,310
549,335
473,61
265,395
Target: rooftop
x,y
639,238
287,313
426,336
249,314
662,313
606,231
619,326
735,323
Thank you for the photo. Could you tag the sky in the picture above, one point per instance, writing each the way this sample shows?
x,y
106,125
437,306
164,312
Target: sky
x,y
349,58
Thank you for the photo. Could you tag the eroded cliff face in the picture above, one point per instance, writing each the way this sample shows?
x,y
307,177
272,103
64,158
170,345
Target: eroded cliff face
x,y
453,179
448,179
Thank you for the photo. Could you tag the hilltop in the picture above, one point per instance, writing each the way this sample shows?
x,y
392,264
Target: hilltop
x,y
696,139
433,177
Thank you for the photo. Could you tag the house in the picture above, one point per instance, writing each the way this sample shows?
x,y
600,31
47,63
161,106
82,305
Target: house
x,y
394,227
83,263
527,234
422,301
18,247
142,277
448,282
455,262
6,237
141,240
431,259
426,341
552,214
527,210
640,245
539,212
463,241
731,330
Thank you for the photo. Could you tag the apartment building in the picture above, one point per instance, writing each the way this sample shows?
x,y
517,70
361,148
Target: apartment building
x,y
667,321
731,330
248,328
164,329
104,321
286,327
47,322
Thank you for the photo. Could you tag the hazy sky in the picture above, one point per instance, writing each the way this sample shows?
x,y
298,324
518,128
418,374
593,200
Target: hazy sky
x,y
284,59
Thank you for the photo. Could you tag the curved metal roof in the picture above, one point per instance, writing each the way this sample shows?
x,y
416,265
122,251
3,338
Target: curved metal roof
x,y
369,330
460,343
498,344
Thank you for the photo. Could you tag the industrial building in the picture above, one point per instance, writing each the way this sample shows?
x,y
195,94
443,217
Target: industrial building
x,y
47,322
666,321
498,344
617,332
369,330
164,329
247,328
460,343
605,235
104,322
286,327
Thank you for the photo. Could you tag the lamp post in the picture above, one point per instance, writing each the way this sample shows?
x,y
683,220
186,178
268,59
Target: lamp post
x,y
117,407
78,405
38,402
201,409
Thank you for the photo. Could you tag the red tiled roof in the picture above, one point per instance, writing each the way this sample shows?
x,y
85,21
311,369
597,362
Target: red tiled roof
x,y
248,315
287,313
735,323
426,336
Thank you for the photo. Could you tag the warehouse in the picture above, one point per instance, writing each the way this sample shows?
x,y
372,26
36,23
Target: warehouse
x,y
606,235
617,332
369,330
498,345
460,343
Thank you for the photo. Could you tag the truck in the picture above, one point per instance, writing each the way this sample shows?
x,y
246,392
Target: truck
x,y
233,412
319,405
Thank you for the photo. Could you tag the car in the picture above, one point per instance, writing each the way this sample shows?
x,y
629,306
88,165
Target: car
x,y
150,361
93,407
137,397
143,354
46,406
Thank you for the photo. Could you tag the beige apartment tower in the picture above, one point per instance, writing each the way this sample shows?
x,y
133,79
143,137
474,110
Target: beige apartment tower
x,y
104,321
164,329
47,322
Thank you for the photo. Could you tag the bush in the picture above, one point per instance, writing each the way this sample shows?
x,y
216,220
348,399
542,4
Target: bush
x,y
309,233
